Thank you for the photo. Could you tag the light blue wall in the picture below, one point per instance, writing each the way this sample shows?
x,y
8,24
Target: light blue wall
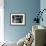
x,y
43,6
29,7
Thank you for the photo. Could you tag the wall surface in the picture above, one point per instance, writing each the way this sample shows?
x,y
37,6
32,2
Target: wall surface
x,y
43,6
1,20
29,8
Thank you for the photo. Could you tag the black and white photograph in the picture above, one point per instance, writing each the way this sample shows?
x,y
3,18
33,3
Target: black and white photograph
x,y
17,19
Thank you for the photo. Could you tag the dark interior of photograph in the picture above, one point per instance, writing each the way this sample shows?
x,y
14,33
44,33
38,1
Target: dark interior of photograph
x,y
17,18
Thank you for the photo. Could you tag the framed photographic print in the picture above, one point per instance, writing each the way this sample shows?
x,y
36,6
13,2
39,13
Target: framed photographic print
x,y
17,19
